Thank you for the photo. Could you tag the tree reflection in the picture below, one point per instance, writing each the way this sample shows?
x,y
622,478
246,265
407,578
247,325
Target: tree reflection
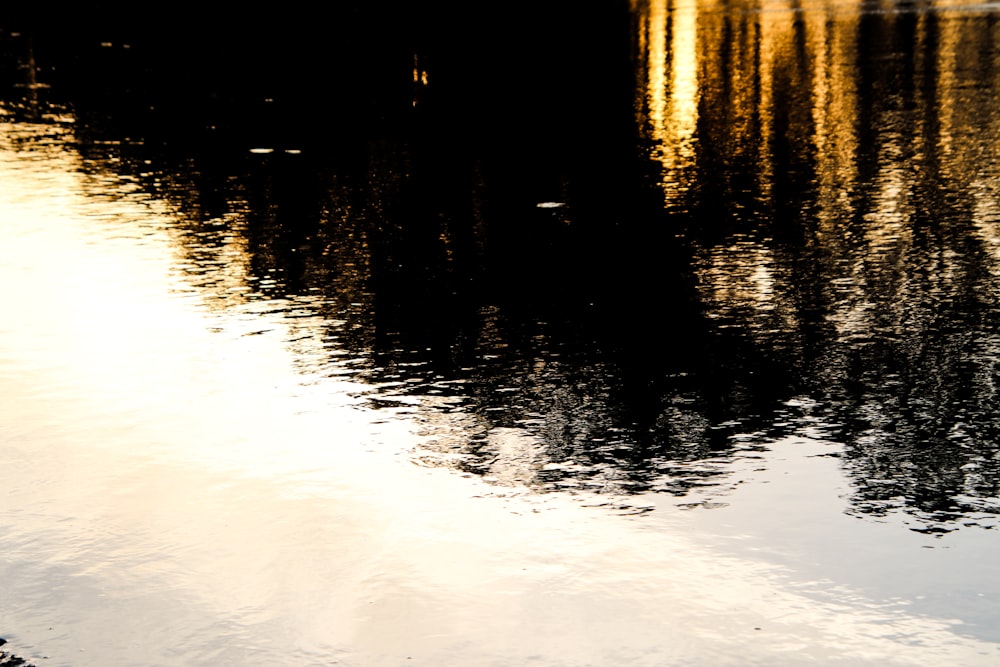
x,y
846,250
790,225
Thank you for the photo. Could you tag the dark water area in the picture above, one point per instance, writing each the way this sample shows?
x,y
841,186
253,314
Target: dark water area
x,y
626,244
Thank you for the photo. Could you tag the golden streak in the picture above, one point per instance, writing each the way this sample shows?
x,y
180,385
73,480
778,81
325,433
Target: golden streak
x,y
671,89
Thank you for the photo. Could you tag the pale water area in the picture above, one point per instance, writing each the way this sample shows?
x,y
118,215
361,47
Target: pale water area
x,y
228,441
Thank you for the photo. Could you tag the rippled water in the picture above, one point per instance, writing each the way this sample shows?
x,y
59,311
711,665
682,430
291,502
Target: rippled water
x,y
697,370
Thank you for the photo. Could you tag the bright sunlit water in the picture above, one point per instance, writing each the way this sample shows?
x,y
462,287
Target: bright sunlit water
x,y
458,404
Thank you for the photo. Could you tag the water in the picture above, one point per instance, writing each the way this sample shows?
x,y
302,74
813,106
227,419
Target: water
x,y
679,351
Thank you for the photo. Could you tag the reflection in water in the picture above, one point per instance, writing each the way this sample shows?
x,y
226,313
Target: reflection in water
x,y
826,265
784,273
667,41
846,252
829,241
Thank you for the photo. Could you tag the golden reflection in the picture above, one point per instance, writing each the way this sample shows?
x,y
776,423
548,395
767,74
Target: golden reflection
x,y
961,72
720,82
932,129
768,95
831,36
668,35
966,153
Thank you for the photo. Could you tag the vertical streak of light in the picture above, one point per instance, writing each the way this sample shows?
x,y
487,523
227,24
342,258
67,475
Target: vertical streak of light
x,y
819,48
654,26
672,89
684,78
768,45
968,135
833,43
946,83
964,103
832,38
777,68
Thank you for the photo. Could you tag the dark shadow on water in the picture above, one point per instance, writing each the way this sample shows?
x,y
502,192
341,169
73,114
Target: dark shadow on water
x,y
578,282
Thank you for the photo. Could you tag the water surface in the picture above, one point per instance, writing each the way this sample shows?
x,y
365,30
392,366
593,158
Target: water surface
x,y
669,339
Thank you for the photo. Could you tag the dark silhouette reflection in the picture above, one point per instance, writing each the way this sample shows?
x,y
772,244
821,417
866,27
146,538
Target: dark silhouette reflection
x,y
850,254
614,249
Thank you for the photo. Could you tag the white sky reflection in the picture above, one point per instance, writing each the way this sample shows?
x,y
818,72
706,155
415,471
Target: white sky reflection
x,y
176,494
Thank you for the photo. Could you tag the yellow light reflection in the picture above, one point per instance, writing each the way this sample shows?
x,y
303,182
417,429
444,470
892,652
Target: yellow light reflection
x,y
669,38
831,35
968,139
